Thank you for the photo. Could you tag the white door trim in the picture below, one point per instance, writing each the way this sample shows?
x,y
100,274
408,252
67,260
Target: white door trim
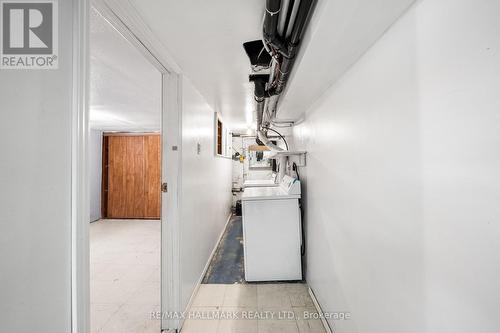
x,y
171,174
80,207
127,21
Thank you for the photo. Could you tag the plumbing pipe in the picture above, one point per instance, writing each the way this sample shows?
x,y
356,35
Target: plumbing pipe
x,y
291,20
271,19
290,17
288,56
284,51
283,17
289,52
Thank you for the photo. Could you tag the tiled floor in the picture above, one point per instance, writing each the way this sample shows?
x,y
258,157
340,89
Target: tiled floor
x,y
252,308
124,276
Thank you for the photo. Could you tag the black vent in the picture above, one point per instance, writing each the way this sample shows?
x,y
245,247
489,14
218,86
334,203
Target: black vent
x,y
257,54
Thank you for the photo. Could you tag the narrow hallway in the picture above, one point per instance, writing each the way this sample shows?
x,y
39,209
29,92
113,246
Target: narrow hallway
x,y
236,166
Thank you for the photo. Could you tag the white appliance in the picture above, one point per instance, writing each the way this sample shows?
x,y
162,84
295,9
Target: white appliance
x,y
272,232
270,182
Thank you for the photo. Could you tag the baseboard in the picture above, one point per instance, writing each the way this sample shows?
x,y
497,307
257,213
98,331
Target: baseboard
x,y
207,265
325,323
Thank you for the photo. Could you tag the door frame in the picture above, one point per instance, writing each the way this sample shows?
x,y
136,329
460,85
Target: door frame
x,y
126,20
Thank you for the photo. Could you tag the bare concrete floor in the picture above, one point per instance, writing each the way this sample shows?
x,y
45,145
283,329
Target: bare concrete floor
x,y
124,275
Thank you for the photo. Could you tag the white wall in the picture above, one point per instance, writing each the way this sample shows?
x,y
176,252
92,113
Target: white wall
x,y
402,180
35,199
95,160
206,189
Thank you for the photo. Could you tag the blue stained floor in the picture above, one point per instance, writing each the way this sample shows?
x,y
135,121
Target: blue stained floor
x,y
227,266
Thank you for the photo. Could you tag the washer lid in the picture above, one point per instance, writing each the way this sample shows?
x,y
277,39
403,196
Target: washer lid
x,y
267,193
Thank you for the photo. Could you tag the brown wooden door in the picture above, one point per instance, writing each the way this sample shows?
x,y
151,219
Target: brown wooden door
x,y
133,176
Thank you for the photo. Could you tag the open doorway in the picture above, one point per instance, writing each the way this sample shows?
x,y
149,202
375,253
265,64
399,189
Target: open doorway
x,y
125,118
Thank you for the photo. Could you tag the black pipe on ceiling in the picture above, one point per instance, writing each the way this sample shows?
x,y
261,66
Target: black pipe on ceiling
x,y
283,50
288,16
271,20
288,55
305,7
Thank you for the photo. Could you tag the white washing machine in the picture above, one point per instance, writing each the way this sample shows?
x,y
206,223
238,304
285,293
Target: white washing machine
x,y
272,232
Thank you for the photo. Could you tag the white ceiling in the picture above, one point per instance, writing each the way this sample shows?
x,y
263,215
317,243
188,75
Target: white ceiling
x,y
125,89
205,39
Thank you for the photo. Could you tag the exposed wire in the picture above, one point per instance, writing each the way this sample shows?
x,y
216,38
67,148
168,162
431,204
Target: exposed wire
x,y
296,169
260,53
303,235
281,136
